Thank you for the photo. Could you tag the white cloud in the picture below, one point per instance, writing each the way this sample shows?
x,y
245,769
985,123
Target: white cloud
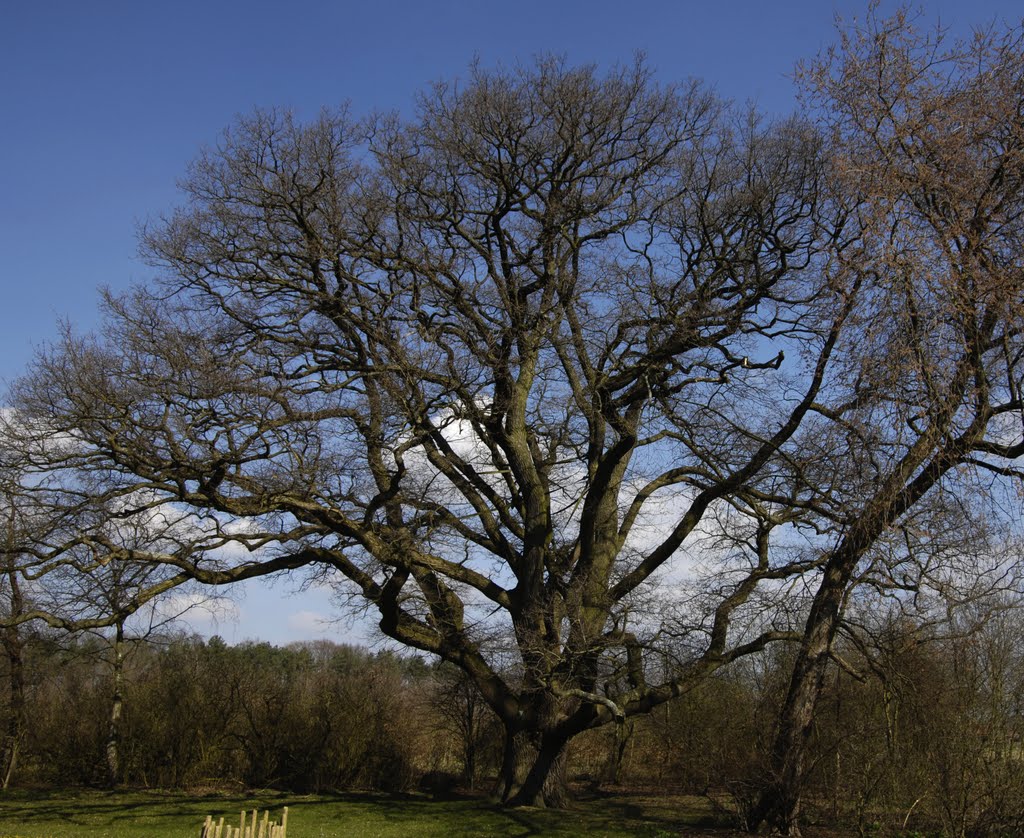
x,y
202,612
36,438
309,623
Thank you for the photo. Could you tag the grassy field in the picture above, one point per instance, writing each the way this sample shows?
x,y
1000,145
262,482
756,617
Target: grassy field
x,y
92,814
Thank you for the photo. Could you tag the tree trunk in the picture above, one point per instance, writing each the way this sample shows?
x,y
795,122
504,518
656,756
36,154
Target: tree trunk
x,y
16,708
471,723
469,765
778,805
623,735
533,775
514,764
116,709
546,783
14,650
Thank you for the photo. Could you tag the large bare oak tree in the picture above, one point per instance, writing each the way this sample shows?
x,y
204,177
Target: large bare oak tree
x,y
513,369
455,360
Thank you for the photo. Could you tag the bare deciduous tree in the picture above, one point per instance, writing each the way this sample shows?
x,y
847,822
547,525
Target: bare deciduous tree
x,y
502,369
461,362
13,642
928,138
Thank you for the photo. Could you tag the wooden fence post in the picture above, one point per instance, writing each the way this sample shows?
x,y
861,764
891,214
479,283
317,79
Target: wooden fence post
x,y
247,827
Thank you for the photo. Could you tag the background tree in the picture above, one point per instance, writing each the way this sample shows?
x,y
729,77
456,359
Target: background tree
x,y
21,598
928,141
13,641
102,584
458,703
110,590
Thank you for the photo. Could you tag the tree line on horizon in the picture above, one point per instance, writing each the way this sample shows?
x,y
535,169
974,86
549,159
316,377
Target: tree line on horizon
x,y
925,736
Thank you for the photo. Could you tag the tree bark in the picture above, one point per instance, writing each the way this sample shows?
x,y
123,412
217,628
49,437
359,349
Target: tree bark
x,y
14,649
16,708
546,784
778,806
513,764
116,710
534,774
623,735
469,764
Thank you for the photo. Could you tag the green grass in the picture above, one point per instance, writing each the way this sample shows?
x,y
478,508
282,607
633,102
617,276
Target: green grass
x,y
93,814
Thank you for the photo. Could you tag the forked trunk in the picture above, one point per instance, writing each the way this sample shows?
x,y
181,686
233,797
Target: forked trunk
x,y
534,775
546,783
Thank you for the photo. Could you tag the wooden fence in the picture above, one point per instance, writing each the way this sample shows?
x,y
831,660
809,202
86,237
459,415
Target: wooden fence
x,y
254,828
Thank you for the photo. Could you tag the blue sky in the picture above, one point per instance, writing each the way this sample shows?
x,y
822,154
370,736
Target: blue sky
x,y
104,103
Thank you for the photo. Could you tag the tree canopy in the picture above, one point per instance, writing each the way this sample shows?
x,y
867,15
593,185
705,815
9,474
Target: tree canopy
x,y
586,384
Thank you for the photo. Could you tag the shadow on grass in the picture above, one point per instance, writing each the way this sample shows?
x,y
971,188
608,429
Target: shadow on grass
x,y
88,812
89,808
